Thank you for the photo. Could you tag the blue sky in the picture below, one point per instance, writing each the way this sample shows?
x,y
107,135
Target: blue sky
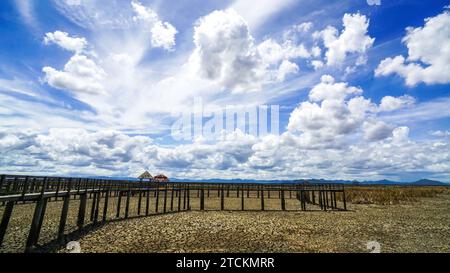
x,y
362,86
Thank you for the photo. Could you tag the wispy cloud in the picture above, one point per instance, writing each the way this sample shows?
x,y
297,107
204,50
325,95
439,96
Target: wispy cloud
x,y
255,17
26,10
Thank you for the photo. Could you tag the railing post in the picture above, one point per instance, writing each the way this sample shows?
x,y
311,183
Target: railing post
x,y
343,198
94,203
165,199
127,204
157,199
105,207
97,205
171,198
119,203
2,181
283,204
184,197
58,187
242,199
147,202
320,199
179,199
202,199
24,190
36,224
188,199
140,197
5,220
222,199
65,211
82,210
262,199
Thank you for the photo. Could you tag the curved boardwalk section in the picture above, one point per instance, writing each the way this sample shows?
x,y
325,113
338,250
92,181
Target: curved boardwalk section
x,y
40,211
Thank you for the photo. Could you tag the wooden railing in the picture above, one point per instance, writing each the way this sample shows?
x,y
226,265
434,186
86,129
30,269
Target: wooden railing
x,y
94,199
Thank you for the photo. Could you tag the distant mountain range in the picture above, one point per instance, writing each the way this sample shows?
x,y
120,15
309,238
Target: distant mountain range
x,y
421,182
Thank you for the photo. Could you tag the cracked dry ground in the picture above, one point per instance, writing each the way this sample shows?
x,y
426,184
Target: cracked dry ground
x,y
418,227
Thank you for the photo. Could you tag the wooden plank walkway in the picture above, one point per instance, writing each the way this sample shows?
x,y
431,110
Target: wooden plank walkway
x,y
167,197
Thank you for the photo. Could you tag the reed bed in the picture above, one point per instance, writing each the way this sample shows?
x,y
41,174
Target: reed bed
x,y
391,195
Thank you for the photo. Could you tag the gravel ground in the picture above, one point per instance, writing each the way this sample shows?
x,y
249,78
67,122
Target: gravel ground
x,y
418,227
423,226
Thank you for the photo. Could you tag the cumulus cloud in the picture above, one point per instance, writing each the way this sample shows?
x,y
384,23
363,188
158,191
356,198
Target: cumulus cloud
x,y
163,33
335,133
286,68
352,39
328,89
377,130
389,103
80,74
317,64
272,52
9,141
304,27
334,111
226,53
66,42
428,58
65,151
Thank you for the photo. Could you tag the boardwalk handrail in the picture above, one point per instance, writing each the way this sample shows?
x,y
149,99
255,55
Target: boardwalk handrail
x,y
167,197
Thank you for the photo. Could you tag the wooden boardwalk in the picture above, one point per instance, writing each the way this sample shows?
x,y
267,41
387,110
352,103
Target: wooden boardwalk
x,y
150,198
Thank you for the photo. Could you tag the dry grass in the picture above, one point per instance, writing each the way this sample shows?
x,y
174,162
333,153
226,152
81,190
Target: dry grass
x,y
391,195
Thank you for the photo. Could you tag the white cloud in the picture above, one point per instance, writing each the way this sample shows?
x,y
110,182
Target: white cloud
x,y
66,151
304,27
80,74
440,133
374,2
95,15
389,103
120,16
143,13
273,52
327,89
334,111
352,39
317,64
285,69
26,10
428,54
9,141
225,51
226,54
66,42
163,33
377,130
258,16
